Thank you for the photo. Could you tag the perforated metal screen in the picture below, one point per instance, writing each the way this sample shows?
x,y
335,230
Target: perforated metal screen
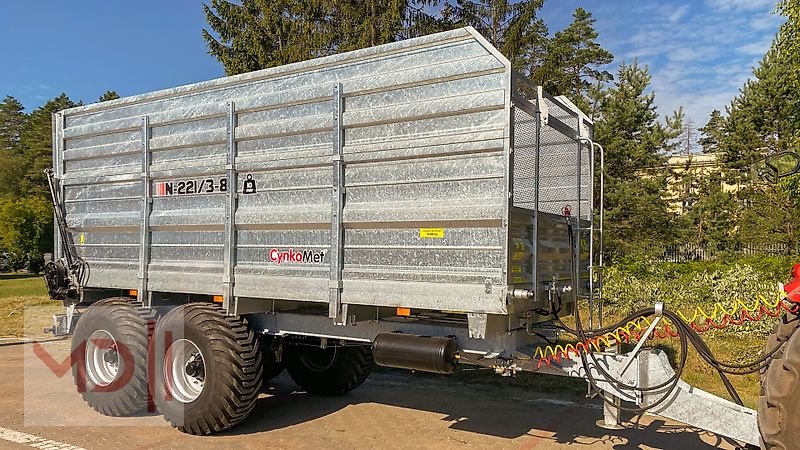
x,y
565,177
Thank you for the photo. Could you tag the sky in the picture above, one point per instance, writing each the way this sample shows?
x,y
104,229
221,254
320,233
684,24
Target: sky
x,y
699,52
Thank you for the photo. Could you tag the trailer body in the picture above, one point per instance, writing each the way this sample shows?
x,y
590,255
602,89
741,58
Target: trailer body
x,y
400,176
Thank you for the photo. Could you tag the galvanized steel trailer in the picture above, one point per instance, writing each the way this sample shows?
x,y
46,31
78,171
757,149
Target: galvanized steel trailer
x,y
320,215
397,176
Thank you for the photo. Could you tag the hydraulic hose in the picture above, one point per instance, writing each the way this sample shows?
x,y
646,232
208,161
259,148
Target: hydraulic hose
x,y
686,329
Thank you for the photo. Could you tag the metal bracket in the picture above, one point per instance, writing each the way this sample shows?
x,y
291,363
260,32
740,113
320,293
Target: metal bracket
x,y
229,255
685,403
659,309
544,110
70,310
477,324
336,310
147,207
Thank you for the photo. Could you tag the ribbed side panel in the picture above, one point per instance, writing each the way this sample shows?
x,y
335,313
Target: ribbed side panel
x,y
425,164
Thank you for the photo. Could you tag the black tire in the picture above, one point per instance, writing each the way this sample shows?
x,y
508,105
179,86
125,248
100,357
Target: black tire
x,y
779,402
779,335
272,367
331,371
130,326
232,368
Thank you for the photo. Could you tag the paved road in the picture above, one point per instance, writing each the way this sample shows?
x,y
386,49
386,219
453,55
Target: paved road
x,y
391,410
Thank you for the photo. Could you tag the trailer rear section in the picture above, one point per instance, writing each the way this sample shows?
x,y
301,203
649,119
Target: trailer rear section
x,y
417,204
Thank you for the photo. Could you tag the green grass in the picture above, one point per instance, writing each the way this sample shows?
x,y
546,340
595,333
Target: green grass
x,y
24,305
21,285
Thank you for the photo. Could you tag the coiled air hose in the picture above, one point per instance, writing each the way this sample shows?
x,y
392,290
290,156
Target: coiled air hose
x,y
687,330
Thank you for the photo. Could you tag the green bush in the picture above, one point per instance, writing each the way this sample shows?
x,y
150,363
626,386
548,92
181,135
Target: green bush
x,y
684,287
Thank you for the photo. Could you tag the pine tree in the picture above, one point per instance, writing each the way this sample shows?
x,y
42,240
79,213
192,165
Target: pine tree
x,y
256,34
36,146
514,28
712,133
634,141
770,214
12,121
573,60
12,118
109,95
765,117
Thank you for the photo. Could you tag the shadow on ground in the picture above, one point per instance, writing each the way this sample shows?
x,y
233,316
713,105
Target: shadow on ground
x,y
508,413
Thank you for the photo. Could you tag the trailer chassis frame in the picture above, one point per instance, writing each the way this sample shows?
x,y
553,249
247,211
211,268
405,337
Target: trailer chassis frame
x,y
510,352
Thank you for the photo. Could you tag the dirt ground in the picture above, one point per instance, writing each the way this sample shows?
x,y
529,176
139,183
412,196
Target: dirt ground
x,y
391,410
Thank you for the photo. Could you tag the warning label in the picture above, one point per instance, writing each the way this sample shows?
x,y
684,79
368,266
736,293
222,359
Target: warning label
x,y
431,233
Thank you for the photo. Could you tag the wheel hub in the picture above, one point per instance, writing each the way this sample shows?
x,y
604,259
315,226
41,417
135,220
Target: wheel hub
x,y
195,367
101,358
185,371
111,356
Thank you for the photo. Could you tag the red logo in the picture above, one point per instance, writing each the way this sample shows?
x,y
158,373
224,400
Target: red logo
x,y
297,257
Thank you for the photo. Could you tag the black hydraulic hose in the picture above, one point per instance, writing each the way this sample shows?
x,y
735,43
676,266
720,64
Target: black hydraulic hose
x,y
670,384
685,333
76,265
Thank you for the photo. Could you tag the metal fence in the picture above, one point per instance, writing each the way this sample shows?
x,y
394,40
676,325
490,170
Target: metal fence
x,y
690,252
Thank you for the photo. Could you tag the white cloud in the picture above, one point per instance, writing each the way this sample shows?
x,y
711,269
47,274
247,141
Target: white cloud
x,y
740,5
678,14
699,56
766,22
755,48
699,53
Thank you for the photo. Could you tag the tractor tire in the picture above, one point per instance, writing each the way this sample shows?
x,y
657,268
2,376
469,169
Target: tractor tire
x,y
208,368
109,350
331,371
779,335
272,367
779,402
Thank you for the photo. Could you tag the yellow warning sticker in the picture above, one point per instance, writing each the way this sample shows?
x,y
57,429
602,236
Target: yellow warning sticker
x,y
82,238
431,233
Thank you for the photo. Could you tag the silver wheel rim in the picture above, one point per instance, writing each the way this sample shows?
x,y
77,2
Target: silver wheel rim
x,y
102,358
185,371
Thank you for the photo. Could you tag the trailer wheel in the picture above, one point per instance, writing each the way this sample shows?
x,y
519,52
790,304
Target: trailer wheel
x,y
208,368
110,349
331,371
779,402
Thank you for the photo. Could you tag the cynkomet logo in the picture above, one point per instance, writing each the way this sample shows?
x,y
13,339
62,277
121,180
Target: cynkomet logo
x,y
297,257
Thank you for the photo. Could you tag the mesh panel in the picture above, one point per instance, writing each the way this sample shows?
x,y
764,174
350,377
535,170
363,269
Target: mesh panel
x,y
560,175
525,137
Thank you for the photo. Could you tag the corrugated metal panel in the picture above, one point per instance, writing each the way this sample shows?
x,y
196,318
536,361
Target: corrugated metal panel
x,y
424,146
